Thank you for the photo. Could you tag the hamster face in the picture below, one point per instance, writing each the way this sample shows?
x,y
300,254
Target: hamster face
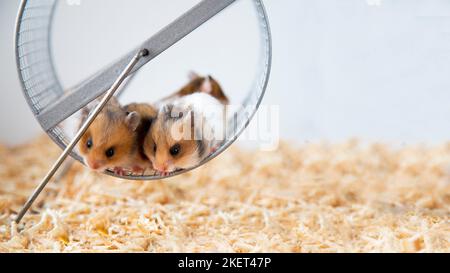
x,y
170,144
110,141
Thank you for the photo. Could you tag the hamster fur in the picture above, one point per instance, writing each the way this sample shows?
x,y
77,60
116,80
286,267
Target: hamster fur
x,y
198,84
112,140
185,132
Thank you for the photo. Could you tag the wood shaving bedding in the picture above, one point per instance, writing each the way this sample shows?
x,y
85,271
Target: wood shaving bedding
x,y
345,197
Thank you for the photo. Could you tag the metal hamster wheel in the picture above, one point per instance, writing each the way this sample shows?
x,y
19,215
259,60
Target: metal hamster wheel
x,y
52,105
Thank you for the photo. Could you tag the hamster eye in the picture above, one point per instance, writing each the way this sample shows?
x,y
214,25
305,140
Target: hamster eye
x,y
109,153
175,150
89,143
154,148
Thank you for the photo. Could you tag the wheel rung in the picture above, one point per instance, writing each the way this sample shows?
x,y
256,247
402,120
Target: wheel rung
x,y
33,51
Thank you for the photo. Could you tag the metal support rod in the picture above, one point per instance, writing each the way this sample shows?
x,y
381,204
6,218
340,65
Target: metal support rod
x,y
80,133
96,85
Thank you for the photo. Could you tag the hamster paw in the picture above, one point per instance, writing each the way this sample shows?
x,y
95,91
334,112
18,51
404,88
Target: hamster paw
x,y
215,148
119,171
163,174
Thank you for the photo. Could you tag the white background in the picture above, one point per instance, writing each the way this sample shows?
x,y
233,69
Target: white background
x,y
375,69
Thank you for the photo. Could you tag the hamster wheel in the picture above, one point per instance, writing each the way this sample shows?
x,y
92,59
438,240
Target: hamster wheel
x,y
51,104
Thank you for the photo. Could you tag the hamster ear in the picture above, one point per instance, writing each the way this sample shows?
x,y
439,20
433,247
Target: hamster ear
x,y
113,101
85,112
133,120
206,85
173,112
193,75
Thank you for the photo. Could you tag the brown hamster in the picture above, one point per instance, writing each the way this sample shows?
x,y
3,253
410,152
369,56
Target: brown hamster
x,y
200,84
183,133
112,140
147,115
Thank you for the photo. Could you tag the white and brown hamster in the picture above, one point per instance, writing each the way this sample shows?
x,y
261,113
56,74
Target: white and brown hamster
x,y
115,138
199,84
185,131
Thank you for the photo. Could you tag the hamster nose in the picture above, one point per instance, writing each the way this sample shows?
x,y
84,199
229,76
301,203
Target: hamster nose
x,y
95,165
161,167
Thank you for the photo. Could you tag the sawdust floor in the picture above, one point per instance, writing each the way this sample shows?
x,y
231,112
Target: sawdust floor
x,y
344,197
